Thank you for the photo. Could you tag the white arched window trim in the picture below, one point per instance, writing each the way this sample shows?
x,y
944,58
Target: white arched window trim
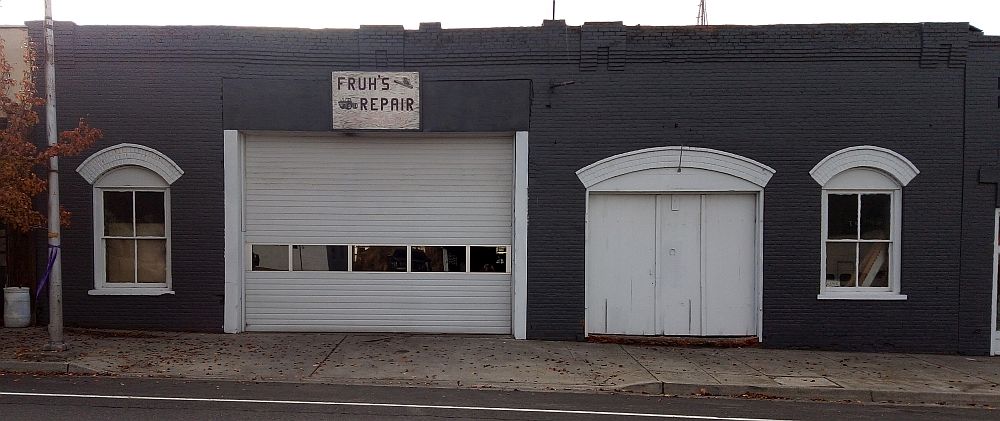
x,y
132,182
885,160
124,154
861,174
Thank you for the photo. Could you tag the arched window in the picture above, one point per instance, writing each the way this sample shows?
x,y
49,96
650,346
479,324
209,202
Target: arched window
x,y
131,219
862,212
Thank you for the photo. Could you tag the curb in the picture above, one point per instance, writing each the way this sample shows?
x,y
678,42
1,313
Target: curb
x,y
643,388
46,367
826,394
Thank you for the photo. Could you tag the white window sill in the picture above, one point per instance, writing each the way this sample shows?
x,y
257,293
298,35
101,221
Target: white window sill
x,y
874,296
130,291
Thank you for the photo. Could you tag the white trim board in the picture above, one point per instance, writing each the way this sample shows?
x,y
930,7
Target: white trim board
x,y
130,291
994,333
233,193
519,271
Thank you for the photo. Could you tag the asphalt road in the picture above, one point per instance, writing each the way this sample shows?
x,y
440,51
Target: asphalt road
x,y
107,398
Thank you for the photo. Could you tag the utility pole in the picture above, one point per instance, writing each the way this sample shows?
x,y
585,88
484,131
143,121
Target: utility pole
x,y
553,9
702,14
56,342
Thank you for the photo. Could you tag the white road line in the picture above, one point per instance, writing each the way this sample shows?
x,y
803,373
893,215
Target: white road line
x,y
386,405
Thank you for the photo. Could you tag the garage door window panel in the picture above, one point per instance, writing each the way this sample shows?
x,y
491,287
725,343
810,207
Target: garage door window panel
x,y
325,258
377,258
372,258
268,257
438,258
488,259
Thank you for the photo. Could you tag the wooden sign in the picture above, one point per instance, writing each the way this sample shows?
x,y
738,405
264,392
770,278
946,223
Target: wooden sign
x,y
376,100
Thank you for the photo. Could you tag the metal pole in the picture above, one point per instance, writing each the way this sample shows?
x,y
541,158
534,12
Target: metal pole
x,y
56,342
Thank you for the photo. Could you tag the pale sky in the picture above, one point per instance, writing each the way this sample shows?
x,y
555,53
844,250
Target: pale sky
x,y
984,14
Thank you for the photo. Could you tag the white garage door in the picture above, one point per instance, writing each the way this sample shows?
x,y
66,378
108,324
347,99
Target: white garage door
x,y
379,234
671,264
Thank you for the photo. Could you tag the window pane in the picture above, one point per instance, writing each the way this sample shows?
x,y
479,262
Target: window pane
x,y
488,259
874,265
118,213
319,258
149,214
267,257
840,264
152,261
379,259
842,216
120,260
438,258
875,216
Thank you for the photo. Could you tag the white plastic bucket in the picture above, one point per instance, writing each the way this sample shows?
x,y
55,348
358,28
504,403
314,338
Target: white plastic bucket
x,y
16,306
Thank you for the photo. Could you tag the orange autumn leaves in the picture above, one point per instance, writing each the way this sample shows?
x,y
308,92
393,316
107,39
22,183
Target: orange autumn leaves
x,y
20,158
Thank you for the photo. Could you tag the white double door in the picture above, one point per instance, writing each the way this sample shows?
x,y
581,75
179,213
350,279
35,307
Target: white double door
x,y
672,264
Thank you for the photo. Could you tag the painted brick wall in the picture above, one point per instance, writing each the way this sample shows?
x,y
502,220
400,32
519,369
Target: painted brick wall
x,y
784,95
982,157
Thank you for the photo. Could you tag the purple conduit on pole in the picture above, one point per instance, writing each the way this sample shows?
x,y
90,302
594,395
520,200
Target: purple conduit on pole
x,y
53,252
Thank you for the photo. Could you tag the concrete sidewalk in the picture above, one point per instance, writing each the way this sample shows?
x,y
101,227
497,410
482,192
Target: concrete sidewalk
x,y
497,362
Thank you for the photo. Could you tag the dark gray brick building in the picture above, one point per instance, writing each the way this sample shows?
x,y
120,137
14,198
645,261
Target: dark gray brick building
x,y
705,151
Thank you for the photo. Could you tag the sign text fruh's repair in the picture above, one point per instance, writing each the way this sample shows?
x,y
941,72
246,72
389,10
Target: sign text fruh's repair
x,y
376,100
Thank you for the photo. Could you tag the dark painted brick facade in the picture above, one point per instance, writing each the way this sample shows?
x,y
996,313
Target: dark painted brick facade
x,y
982,172
784,95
